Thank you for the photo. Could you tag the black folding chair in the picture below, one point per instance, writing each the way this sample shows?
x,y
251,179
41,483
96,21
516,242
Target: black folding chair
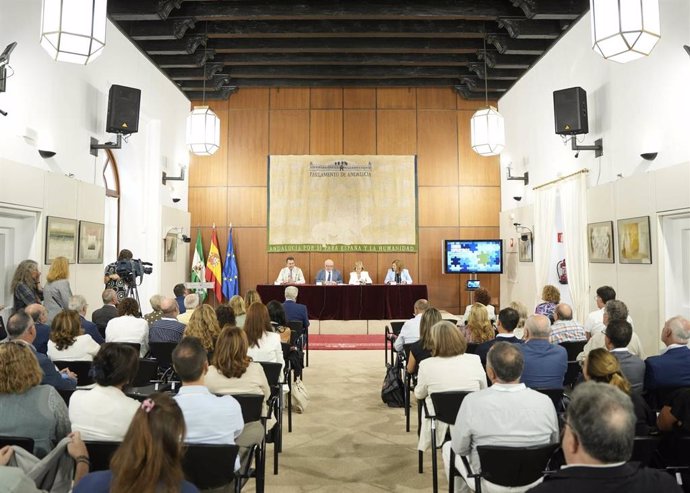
x,y
644,449
211,466
409,381
509,466
252,410
275,405
162,352
147,372
303,337
23,442
390,333
66,395
81,368
574,368
446,407
556,396
287,377
472,347
100,453
134,345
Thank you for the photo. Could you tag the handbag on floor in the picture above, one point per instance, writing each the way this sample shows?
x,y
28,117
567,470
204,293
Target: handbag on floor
x,y
300,396
392,388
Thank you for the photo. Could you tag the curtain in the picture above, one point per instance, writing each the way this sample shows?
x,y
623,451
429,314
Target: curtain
x,y
544,236
574,210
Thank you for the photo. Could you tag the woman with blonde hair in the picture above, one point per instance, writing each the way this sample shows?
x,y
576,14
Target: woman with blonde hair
x,y
421,349
149,459
252,297
359,275
552,297
26,285
398,274
68,341
57,292
203,325
239,308
602,366
478,328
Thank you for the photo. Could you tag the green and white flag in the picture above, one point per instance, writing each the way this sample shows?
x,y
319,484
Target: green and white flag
x,y
199,267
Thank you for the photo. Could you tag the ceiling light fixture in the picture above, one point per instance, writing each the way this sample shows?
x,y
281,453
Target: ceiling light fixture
x,y
487,127
73,30
624,30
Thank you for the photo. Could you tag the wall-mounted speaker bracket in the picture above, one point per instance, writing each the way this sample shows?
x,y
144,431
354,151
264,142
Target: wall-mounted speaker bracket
x,y
108,145
598,147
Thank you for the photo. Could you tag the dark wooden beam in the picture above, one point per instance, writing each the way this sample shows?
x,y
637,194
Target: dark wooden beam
x,y
552,9
221,94
506,45
530,29
465,93
335,83
140,10
158,31
494,73
494,60
187,45
475,84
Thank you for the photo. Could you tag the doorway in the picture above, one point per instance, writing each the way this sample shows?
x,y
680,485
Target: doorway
x,y
675,229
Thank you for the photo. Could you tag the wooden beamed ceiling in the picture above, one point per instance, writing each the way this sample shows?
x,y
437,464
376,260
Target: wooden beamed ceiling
x,y
222,45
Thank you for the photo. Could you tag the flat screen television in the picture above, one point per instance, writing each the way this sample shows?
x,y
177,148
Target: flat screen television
x,y
472,256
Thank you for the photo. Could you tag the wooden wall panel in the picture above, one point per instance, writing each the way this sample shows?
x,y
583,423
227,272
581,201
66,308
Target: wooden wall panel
x,y
289,98
250,98
289,132
441,98
396,98
247,147
359,98
444,290
396,132
370,261
326,132
208,205
359,132
437,148
438,206
473,168
479,206
326,98
252,259
247,206
212,170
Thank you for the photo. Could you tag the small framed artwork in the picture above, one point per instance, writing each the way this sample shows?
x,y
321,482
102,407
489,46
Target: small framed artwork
x,y
525,249
170,248
61,239
600,242
634,241
91,242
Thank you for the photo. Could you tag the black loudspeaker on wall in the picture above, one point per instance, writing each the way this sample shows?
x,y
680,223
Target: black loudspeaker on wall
x,y
570,111
123,110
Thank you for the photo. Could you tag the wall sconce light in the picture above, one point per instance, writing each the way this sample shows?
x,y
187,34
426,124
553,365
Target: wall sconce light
x,y
524,177
166,178
73,30
649,156
46,154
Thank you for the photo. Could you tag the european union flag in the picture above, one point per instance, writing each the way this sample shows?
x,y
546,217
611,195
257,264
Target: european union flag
x,y
231,282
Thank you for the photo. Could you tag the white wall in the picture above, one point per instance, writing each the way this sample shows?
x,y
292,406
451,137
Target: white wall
x,y
59,107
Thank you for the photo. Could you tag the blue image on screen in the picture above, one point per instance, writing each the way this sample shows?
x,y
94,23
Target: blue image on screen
x,y
482,256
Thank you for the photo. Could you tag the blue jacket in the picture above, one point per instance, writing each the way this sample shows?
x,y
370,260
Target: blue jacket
x,y
296,311
42,337
336,276
50,374
671,369
180,304
545,364
483,349
91,329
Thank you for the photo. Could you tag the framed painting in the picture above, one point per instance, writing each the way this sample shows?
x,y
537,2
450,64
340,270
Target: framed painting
x,y
170,248
61,239
525,249
634,241
91,242
600,242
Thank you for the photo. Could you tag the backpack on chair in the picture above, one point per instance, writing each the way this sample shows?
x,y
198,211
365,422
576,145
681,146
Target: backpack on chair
x,y
392,388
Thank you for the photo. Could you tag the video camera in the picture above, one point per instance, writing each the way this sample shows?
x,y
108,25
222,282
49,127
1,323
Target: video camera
x,y
129,270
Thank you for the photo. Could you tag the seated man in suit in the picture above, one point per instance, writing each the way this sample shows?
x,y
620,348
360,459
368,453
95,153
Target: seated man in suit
x,y
329,275
294,310
545,363
507,413
168,328
598,442
507,321
564,328
290,274
671,369
107,312
39,314
618,334
78,304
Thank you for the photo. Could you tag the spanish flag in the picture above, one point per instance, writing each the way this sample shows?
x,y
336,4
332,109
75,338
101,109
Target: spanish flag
x,y
213,267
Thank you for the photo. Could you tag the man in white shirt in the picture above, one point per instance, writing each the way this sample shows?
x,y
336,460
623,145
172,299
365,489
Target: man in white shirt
x,y
614,310
290,274
409,332
595,320
507,413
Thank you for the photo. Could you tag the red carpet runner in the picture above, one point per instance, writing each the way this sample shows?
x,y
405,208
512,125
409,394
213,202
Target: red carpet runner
x,y
346,341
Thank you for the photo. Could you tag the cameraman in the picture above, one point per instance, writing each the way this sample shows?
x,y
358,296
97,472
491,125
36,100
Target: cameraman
x,y
112,280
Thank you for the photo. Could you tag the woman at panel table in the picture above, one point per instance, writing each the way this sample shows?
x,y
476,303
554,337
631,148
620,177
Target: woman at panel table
x,y
398,274
359,275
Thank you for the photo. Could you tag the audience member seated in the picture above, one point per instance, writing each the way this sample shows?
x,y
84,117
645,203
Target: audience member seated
x,y
359,275
507,322
597,444
545,364
29,409
421,350
20,328
478,328
39,314
482,296
398,274
409,332
252,296
523,312
264,345
595,320
150,456
276,313
672,368
617,337
239,308
614,310
168,328
203,325
551,297
128,327
67,342
564,328
180,292
57,292
449,368
507,413
232,371
26,285
294,310
191,302
290,274
225,316
107,312
79,305
105,412
602,366
157,313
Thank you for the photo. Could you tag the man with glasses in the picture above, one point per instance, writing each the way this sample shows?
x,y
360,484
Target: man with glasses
x,y
329,275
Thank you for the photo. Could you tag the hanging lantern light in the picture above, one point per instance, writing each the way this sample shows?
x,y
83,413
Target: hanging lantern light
x,y
624,30
203,131
486,127
73,30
